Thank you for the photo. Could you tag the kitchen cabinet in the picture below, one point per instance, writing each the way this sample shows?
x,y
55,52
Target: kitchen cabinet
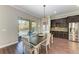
x,y
59,28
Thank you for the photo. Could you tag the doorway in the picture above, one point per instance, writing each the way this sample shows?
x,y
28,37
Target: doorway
x,y
23,28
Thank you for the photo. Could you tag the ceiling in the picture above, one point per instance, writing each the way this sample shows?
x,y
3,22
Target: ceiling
x,y
38,10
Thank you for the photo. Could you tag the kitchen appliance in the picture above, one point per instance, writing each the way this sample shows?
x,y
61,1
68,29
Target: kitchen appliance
x,y
74,31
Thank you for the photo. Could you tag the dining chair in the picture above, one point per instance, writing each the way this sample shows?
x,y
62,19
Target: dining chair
x,y
47,42
26,46
51,38
29,47
41,34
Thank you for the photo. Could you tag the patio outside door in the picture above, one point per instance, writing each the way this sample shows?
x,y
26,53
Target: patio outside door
x,y
23,28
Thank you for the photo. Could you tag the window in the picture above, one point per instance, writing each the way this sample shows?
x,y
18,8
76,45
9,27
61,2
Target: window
x,y
23,27
33,29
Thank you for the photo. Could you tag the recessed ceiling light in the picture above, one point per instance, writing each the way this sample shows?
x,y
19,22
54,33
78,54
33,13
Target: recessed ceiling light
x,y
55,12
77,5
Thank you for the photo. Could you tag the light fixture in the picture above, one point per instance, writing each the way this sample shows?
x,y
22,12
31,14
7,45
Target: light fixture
x,y
44,10
55,12
77,5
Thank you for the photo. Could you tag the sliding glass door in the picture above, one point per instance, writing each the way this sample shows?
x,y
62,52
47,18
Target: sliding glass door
x,y
33,27
23,27
28,29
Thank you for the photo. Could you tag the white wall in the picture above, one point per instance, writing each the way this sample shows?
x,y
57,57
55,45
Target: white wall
x,y
9,25
65,15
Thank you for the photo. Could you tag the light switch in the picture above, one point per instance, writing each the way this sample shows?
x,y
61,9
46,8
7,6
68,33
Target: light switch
x,y
4,30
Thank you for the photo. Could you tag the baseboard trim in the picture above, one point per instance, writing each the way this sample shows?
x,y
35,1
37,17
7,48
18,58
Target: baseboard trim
x,y
6,45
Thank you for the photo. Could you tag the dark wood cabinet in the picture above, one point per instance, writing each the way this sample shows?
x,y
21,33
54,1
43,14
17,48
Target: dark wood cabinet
x,y
60,34
62,23
59,22
62,28
73,19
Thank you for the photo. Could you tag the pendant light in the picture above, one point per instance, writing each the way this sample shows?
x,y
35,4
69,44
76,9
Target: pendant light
x,y
44,14
44,10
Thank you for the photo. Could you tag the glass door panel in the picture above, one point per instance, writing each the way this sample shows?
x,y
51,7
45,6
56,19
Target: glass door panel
x,y
33,36
23,27
33,27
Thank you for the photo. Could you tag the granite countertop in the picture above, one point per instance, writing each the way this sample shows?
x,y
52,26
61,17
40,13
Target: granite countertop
x,y
59,29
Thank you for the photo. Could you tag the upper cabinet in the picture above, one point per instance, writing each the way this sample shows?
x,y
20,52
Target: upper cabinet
x,y
59,25
59,22
73,18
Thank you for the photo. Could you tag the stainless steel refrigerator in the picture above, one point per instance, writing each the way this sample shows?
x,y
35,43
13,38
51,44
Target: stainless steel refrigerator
x,y
74,31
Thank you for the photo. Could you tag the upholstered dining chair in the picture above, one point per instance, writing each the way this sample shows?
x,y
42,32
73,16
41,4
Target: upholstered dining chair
x,y
30,48
47,42
26,46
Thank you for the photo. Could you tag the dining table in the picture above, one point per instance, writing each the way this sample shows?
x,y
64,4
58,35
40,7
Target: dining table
x,y
36,42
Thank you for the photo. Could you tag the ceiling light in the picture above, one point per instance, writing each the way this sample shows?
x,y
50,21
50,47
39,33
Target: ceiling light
x,y
77,5
55,12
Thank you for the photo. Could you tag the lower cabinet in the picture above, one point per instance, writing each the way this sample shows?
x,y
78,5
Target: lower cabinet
x,y
60,34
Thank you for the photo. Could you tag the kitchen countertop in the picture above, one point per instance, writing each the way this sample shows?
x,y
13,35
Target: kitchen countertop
x,y
59,29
